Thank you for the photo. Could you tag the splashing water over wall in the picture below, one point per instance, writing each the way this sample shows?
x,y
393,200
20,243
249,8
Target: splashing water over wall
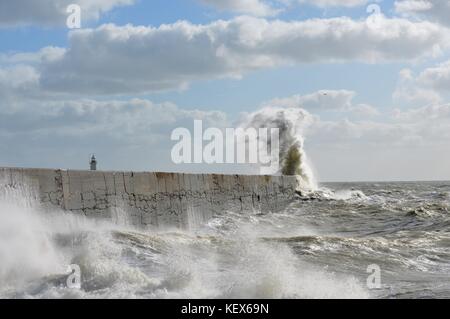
x,y
291,123
26,251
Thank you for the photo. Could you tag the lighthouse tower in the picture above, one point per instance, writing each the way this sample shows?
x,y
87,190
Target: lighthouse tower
x,y
93,163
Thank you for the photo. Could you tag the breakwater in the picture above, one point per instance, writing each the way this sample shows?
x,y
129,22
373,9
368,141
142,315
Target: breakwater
x,y
149,199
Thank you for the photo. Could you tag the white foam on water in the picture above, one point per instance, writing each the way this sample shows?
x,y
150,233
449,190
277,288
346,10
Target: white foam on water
x,y
26,249
249,268
37,245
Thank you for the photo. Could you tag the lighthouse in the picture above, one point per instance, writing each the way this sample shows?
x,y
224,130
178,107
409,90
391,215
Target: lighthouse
x,y
93,163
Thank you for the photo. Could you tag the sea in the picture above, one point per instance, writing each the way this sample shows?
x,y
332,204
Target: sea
x,y
345,240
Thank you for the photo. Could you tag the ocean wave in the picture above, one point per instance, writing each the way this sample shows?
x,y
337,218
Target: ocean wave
x,y
119,262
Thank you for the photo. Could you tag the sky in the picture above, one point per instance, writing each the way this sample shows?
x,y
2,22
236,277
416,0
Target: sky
x,y
373,76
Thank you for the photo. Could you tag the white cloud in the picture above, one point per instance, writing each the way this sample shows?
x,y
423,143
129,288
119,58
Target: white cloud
x,y
131,134
335,3
26,109
354,125
37,125
17,82
264,8
429,113
326,100
413,6
363,110
342,132
431,122
18,76
320,100
429,87
62,124
259,8
412,92
44,55
120,60
435,10
419,127
15,13
437,77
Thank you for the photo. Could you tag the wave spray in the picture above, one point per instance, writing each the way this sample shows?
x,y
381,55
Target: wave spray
x,y
291,123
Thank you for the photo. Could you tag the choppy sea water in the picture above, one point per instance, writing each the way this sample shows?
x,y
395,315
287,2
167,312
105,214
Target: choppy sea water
x,y
320,246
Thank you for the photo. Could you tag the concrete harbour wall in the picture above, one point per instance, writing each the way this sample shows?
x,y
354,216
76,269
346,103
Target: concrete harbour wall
x,y
152,199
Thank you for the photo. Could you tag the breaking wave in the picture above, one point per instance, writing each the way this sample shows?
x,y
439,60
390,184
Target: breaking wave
x,y
291,123
318,247
227,258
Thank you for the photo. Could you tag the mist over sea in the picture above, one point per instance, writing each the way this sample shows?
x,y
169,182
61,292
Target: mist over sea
x,y
318,247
